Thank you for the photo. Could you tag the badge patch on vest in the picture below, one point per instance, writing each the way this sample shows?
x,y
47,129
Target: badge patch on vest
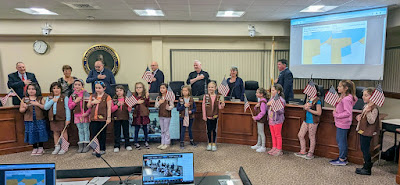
x,y
100,116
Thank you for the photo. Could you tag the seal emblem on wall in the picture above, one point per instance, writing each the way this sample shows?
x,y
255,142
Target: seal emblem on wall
x,y
104,53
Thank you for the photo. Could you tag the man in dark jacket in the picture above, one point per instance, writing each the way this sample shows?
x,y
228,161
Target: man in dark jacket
x,y
285,79
157,80
99,73
19,81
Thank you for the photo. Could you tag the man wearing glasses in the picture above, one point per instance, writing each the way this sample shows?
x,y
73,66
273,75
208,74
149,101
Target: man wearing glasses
x,y
99,73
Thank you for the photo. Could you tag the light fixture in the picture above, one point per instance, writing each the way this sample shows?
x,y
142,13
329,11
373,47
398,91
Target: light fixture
x,y
149,12
318,8
230,13
36,11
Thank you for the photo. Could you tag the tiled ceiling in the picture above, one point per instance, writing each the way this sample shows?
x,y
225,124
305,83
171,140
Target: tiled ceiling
x,y
195,10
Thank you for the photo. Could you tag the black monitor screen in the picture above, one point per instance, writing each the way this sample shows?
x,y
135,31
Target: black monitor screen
x,y
35,174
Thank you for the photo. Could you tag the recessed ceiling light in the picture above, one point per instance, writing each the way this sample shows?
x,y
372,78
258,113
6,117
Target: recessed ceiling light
x,y
36,11
230,13
318,8
149,12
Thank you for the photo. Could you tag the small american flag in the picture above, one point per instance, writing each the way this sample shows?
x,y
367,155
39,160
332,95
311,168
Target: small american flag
x,y
130,99
277,103
332,96
170,96
246,104
5,98
310,89
223,88
95,145
147,75
378,97
64,144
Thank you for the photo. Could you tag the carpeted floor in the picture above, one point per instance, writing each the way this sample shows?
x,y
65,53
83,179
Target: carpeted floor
x,y
261,168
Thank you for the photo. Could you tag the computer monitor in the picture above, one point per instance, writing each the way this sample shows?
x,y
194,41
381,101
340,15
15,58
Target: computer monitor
x,y
40,174
169,168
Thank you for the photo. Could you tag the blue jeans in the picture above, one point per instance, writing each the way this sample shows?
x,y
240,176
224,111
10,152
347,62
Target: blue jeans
x,y
145,131
341,139
183,129
83,132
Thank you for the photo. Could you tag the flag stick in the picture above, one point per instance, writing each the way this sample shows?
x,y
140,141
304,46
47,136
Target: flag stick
x,y
97,135
249,106
62,133
16,94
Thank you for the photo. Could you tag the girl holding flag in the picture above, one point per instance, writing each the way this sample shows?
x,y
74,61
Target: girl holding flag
x,y
141,114
165,105
100,115
261,118
121,118
276,116
59,116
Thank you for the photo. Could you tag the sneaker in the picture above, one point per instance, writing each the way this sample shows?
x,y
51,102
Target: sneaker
x,y
102,152
299,154
164,147
62,152
277,152
40,151
271,151
193,143
309,156
57,149
146,144
34,151
261,149
182,145
255,147
214,147
137,146
116,150
129,148
209,147
334,160
339,163
94,153
158,147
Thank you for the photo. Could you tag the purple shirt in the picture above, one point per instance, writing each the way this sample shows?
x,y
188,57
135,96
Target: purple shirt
x,y
276,117
263,108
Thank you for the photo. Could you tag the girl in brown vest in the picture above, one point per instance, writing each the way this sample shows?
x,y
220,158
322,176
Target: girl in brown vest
x,y
59,115
260,111
211,105
121,118
186,107
164,113
141,114
35,124
313,112
367,127
78,105
100,115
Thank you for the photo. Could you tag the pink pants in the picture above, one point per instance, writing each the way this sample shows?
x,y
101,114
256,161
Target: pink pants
x,y
276,134
312,130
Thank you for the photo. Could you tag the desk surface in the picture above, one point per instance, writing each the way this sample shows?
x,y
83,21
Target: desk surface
x,y
392,121
138,179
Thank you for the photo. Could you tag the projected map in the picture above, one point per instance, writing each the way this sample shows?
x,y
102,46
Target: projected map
x,y
32,177
342,43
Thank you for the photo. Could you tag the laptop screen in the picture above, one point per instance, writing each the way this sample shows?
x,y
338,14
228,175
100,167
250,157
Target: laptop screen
x,y
170,168
38,174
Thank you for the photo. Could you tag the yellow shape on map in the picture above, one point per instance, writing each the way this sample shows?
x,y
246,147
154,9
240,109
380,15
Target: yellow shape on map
x,y
12,182
362,41
337,45
29,181
311,49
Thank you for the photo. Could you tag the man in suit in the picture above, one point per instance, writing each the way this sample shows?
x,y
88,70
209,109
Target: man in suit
x,y
157,80
198,79
99,73
19,81
285,79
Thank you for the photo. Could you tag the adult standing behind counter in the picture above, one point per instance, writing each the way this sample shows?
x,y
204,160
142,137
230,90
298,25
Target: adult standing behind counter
x,y
67,81
198,79
157,80
19,81
235,83
99,73
285,79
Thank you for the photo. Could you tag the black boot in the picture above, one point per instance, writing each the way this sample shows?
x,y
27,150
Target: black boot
x,y
193,143
366,170
182,145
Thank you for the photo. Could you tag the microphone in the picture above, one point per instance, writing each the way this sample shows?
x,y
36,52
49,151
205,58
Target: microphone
x,y
232,92
120,180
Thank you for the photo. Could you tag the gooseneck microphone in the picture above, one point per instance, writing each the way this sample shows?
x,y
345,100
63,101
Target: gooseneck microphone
x,y
120,180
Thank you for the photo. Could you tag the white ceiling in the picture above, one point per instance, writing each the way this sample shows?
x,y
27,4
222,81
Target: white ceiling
x,y
187,10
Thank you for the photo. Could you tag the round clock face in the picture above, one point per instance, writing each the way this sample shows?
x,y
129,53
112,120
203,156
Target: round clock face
x,y
40,47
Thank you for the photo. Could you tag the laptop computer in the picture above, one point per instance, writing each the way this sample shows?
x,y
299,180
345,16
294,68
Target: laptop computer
x,y
168,168
40,174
